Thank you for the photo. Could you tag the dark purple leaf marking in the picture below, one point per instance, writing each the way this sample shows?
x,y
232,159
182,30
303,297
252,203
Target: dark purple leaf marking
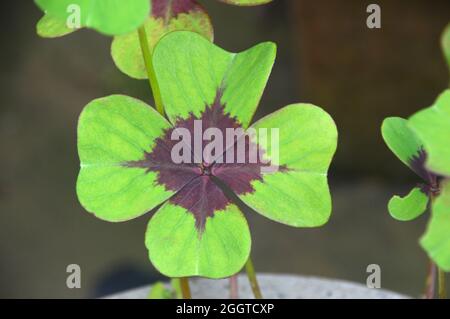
x,y
194,183
202,197
417,164
167,9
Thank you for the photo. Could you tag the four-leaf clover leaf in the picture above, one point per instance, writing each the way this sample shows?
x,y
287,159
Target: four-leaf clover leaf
x,y
125,149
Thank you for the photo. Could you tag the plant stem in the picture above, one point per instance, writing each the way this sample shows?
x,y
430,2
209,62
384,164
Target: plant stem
x,y
185,290
252,278
442,292
431,281
147,54
234,294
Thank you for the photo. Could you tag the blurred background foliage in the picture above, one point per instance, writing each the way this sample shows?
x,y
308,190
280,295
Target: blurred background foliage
x,y
326,56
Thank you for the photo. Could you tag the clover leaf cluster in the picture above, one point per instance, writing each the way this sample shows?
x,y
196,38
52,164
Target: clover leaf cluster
x,y
124,145
120,19
422,142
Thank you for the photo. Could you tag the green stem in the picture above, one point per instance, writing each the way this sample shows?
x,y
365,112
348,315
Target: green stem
x,y
441,282
148,61
185,290
250,269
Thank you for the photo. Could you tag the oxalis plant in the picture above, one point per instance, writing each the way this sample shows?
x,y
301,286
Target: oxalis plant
x,y
422,143
180,160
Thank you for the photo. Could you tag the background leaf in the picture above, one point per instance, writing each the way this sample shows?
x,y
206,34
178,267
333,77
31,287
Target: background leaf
x,y
191,78
445,43
126,50
436,240
112,17
400,139
409,207
159,291
112,131
51,27
432,125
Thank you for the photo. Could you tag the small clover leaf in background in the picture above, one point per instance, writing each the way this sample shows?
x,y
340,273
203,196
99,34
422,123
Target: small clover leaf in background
x,y
432,126
110,17
160,290
127,170
402,141
166,16
436,240
121,19
50,27
445,44
422,143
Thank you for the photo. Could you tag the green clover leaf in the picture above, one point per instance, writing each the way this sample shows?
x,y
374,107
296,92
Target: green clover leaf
x,y
127,167
307,142
409,207
110,17
50,27
436,240
402,141
160,291
111,132
432,126
193,77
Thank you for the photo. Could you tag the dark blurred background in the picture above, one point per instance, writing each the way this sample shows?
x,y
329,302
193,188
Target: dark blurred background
x,y
326,56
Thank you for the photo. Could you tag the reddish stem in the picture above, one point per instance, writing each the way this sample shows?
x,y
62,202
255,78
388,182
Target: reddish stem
x,y
430,284
234,290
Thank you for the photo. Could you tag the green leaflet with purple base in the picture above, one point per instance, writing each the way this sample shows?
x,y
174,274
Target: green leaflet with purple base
x,y
402,141
436,240
432,126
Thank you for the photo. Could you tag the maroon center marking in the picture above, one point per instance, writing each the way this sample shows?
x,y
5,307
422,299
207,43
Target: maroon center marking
x,y
417,163
194,184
